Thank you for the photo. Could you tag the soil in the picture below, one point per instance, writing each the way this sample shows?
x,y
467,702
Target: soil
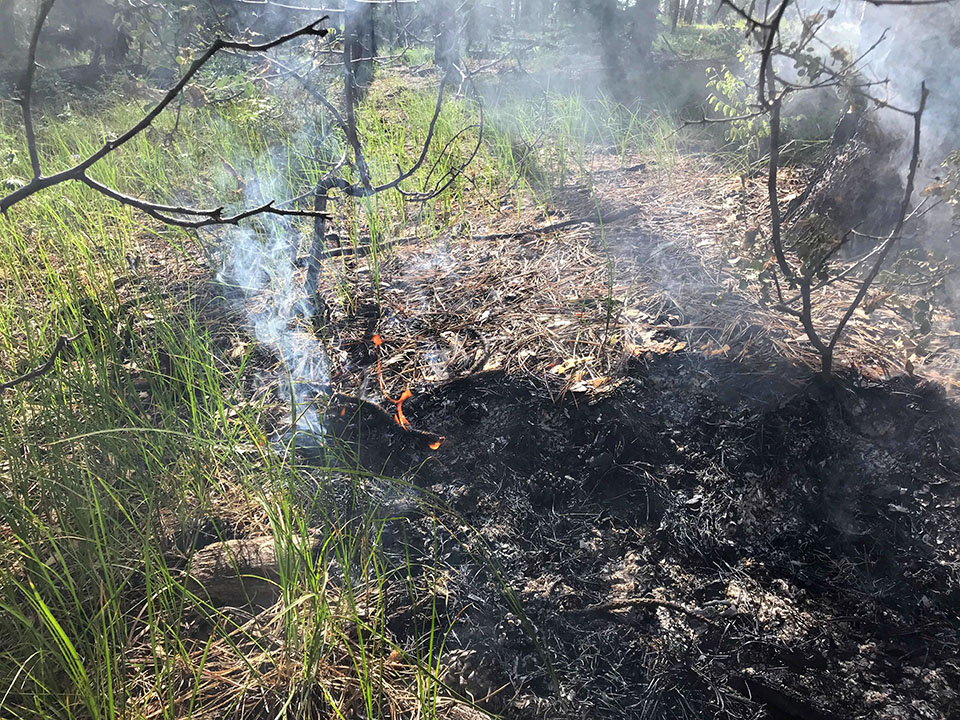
x,y
706,539
644,504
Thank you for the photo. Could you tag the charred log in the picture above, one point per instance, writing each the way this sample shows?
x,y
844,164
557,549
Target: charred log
x,y
855,184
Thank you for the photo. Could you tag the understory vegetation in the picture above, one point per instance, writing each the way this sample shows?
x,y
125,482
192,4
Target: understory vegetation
x,y
162,428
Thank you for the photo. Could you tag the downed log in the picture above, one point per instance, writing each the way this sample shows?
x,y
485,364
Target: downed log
x,y
244,572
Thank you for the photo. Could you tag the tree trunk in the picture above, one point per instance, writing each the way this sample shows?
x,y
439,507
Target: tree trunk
x,y
675,14
358,35
446,49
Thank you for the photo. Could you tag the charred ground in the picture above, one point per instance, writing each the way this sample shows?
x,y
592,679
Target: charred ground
x,y
640,507
812,525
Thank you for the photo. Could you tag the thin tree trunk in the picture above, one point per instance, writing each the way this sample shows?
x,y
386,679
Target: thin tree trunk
x,y
446,49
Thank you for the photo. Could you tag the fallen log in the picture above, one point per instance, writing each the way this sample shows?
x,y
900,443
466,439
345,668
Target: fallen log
x,y
245,572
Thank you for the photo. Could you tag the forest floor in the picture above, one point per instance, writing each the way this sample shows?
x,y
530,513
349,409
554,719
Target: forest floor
x,y
645,503
622,490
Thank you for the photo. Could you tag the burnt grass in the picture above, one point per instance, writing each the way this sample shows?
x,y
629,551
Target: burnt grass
x,y
811,527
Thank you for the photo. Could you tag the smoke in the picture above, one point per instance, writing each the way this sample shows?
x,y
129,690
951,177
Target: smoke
x,y
258,265
898,48
922,45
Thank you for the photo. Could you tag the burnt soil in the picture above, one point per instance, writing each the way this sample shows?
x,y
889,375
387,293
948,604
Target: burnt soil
x,y
707,539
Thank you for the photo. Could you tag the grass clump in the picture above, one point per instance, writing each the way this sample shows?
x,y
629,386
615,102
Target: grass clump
x,y
145,443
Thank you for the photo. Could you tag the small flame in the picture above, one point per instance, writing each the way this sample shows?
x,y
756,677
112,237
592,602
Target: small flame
x,y
401,420
377,342
343,411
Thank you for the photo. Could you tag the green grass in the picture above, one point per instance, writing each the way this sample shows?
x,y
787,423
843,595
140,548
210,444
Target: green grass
x,y
141,430
150,427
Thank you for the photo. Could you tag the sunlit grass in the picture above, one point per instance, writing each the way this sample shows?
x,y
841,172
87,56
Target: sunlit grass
x,y
146,428
139,433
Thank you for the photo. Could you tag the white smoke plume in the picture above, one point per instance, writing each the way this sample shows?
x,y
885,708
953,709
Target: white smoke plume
x,y
258,266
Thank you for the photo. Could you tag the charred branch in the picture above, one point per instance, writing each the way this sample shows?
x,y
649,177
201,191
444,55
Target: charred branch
x,y
333,181
62,343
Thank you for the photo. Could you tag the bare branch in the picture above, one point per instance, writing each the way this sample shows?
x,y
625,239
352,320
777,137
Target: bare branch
x,y
62,343
78,171
704,120
213,216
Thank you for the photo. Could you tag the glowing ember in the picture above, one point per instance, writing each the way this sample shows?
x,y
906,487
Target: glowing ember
x,y
436,445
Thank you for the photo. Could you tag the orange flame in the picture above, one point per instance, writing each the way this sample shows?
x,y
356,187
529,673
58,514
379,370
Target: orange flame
x,y
401,420
377,342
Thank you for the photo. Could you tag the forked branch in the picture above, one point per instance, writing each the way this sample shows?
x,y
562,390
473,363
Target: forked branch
x,y
188,217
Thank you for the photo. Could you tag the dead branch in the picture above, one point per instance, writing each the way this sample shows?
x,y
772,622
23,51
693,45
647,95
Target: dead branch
x,y
704,120
589,219
62,342
78,172
213,216
365,187
628,603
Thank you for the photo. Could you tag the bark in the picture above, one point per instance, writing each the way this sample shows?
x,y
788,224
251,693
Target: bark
x,y
244,572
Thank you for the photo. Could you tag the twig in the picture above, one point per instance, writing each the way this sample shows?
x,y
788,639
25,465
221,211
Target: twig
x,y
704,120
212,216
78,171
607,607
592,219
62,343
